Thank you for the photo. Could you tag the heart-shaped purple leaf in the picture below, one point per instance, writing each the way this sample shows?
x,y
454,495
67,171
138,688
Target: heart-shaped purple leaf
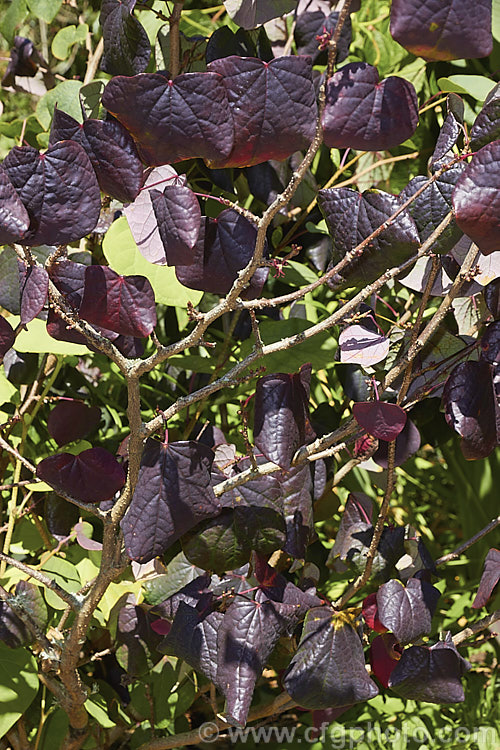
x,y
273,107
437,30
407,443
126,45
14,219
124,304
72,420
111,150
352,216
432,205
430,674
489,578
360,346
328,668
58,189
172,495
178,216
92,476
34,285
367,114
407,611
281,414
476,199
227,244
471,408
7,336
486,127
173,120
380,419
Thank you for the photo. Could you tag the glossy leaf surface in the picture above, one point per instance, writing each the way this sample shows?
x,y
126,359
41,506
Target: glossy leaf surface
x,y
486,126
437,30
476,199
173,120
489,578
313,24
365,113
126,44
7,336
14,219
172,495
407,443
58,189
178,216
34,285
92,476
380,419
407,611
273,106
251,13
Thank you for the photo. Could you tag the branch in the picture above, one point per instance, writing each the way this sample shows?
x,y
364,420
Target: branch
x,y
460,637
465,545
68,598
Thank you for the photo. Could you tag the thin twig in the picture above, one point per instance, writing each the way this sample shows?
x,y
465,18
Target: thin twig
x,y
471,630
465,545
49,583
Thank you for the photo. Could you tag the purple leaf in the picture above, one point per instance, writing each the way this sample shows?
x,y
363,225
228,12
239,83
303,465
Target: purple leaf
x,y
7,336
273,106
431,207
489,578
367,114
357,516
437,30
196,593
328,668
251,13
380,419
227,244
193,638
111,150
60,516
311,24
172,495
450,130
492,297
24,61
223,43
490,344
486,127
407,443
34,286
385,652
470,408
476,199
352,216
173,120
296,486
430,674
14,219
126,44
92,476
360,346
407,612
178,216
370,613
247,636
282,414
124,304
72,420
58,189
83,540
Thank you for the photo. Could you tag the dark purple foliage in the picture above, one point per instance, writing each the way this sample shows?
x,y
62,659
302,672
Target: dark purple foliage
x,y
471,408
24,61
407,443
60,516
486,126
352,216
430,207
370,613
14,219
313,24
111,150
13,629
380,419
328,668
92,476
476,199
385,652
490,344
124,304
437,30
58,189
224,43
7,336
365,113
492,297
430,674
450,130
227,244
407,611
489,578
178,215
273,107
357,517
72,420
34,286
126,44
172,495
173,120
297,486
196,593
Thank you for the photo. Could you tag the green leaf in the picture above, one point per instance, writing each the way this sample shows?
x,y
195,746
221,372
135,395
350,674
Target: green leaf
x,y
12,18
65,95
123,256
18,684
476,86
90,97
7,390
36,339
44,9
97,708
66,38
495,20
